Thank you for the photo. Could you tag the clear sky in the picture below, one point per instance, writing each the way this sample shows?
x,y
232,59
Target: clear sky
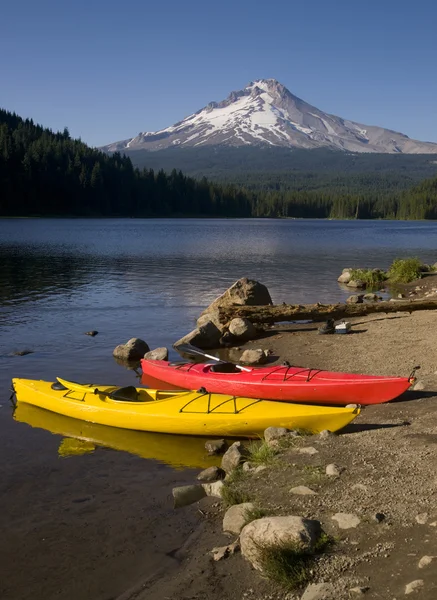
x,y
110,69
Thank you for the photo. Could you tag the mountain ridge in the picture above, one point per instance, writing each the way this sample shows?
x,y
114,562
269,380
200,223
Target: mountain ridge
x,y
266,113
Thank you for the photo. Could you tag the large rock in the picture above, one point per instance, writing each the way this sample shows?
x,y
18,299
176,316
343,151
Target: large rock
x,y
211,474
207,336
254,357
187,494
134,349
242,329
356,283
157,354
244,292
345,277
236,516
214,489
233,457
277,531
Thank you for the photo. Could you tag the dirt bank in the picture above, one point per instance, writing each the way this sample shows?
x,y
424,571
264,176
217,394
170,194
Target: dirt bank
x,y
389,459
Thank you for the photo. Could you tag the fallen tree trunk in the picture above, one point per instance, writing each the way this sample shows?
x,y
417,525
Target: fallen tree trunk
x,y
319,312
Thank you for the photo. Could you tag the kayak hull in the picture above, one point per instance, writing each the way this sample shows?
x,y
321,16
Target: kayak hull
x,y
183,412
282,383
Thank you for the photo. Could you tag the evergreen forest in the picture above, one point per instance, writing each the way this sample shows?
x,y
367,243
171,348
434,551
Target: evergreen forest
x,y
43,173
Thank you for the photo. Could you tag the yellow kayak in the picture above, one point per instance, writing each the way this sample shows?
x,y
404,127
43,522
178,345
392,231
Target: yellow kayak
x,y
184,412
178,451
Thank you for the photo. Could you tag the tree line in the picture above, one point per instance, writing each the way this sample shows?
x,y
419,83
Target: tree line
x,y
43,173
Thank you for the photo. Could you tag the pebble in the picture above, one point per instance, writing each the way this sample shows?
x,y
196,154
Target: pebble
x,y
425,561
333,470
414,586
422,518
302,490
346,520
359,590
308,450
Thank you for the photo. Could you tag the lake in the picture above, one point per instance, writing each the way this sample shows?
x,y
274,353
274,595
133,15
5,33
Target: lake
x,y
92,518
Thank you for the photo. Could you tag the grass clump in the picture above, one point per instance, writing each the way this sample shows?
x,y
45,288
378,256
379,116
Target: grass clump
x,y
371,277
233,491
404,270
255,513
288,564
260,452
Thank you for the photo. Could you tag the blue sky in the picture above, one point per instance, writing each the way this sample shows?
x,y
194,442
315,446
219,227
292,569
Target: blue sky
x,y
108,69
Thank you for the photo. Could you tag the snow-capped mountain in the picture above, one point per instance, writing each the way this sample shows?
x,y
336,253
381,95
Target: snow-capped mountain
x,y
265,112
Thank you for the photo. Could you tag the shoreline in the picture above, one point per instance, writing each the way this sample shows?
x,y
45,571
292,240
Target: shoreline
x,y
389,456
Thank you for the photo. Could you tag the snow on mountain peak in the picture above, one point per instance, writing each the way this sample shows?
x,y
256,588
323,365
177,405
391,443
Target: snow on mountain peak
x,y
266,113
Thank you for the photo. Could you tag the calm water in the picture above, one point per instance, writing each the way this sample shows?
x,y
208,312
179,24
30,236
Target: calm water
x,y
148,279
151,279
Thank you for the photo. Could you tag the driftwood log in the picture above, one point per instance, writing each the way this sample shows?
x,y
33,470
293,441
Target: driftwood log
x,y
319,312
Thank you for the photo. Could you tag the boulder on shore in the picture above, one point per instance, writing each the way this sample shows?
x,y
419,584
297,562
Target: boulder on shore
x,y
277,531
207,336
157,354
254,357
244,292
134,349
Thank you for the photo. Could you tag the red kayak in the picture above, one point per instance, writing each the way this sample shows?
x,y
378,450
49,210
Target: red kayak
x,y
283,382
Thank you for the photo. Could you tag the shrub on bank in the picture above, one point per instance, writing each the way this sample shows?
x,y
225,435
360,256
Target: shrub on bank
x,y
371,277
404,270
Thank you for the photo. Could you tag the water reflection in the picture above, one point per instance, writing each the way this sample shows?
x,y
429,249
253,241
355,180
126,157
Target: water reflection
x,y
177,451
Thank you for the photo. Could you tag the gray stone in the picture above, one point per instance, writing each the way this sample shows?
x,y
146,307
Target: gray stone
x,y
302,490
187,494
356,283
325,434
370,298
276,531
254,357
320,591
346,520
211,474
157,354
224,551
260,468
274,433
242,329
422,518
233,457
359,591
134,349
425,561
414,586
310,450
236,516
355,299
419,386
206,336
345,277
246,292
213,316
248,467
333,470
216,446
213,489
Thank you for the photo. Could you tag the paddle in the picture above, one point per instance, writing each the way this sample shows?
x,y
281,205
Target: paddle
x,y
128,394
189,349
